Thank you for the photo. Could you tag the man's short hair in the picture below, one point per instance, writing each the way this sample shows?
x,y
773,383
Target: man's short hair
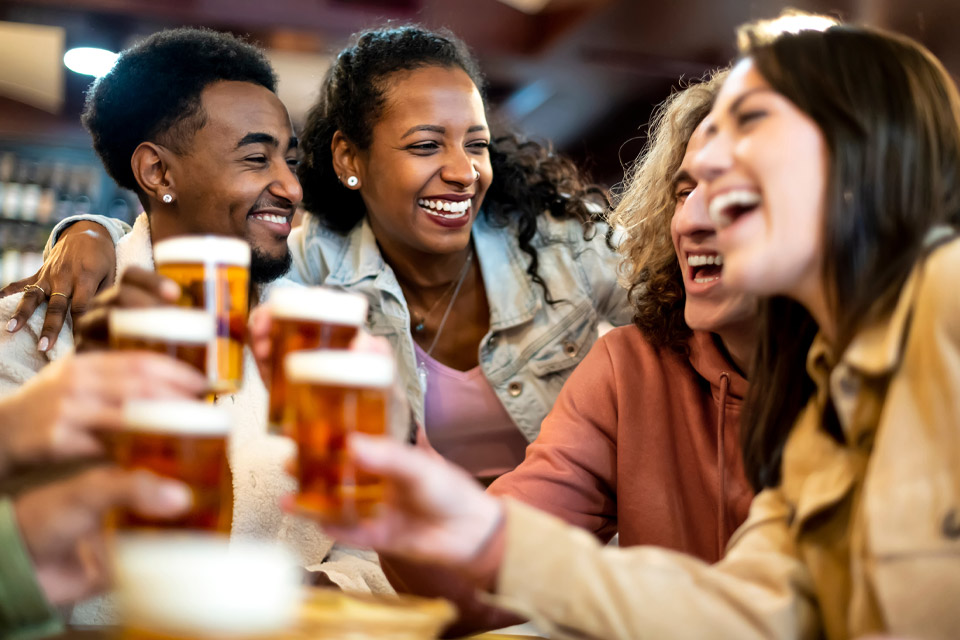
x,y
153,93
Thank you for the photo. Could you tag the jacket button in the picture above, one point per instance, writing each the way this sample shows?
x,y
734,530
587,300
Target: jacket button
x,y
951,525
515,388
570,348
492,342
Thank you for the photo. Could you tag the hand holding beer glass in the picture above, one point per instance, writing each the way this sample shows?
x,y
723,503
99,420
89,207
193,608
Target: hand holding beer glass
x,y
305,318
214,274
332,394
183,334
185,440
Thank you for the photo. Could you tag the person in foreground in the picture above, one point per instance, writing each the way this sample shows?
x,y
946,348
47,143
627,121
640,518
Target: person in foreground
x,y
643,439
50,535
852,424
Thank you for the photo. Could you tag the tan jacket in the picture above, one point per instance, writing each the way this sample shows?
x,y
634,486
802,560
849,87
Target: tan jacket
x,y
861,536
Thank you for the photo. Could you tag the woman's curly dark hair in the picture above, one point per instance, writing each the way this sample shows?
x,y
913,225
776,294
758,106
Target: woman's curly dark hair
x,y
153,93
530,178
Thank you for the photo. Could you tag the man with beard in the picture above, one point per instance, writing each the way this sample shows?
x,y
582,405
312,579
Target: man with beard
x,y
189,120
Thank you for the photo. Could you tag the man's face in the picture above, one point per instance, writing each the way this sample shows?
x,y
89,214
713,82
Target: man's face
x,y
237,176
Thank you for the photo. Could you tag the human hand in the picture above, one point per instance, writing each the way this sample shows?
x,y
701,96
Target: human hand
x,y
82,262
50,417
137,288
434,511
61,524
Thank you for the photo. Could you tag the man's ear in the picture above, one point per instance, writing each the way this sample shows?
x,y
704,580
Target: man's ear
x,y
150,163
346,161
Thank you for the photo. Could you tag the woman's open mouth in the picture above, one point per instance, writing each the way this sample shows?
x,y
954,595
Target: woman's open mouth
x,y
704,268
726,208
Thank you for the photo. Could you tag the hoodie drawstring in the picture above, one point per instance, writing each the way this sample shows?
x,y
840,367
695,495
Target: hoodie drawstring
x,y
721,465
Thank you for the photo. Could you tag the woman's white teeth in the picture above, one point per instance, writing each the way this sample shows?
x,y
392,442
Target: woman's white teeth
x,y
721,205
268,217
704,260
706,280
457,209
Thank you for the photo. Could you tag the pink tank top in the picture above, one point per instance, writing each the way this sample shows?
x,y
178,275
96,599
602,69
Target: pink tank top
x,y
466,423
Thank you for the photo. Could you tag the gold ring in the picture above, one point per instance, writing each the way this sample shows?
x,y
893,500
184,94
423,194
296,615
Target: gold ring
x,y
37,287
57,293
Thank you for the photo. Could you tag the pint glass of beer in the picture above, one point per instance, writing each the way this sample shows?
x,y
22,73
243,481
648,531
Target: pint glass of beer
x,y
204,587
214,274
307,318
184,334
185,440
332,394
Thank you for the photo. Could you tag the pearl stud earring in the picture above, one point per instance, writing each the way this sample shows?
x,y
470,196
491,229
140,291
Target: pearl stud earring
x,y
352,181
167,198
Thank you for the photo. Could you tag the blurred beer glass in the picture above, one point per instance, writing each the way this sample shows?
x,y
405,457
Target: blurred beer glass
x,y
332,394
184,334
214,274
204,587
307,318
181,439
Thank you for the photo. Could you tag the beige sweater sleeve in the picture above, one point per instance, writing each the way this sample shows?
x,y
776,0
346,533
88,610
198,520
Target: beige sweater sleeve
x,y
573,587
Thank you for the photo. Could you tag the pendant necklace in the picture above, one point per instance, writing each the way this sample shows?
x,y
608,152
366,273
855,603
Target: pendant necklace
x,y
421,367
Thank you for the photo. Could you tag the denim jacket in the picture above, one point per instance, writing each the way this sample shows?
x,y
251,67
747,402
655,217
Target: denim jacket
x,y
531,347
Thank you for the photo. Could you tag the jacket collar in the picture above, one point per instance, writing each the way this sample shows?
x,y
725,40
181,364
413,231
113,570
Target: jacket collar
x,y
876,349
510,294
710,362
359,256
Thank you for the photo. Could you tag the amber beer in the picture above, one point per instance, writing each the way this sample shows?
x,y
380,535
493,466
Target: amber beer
x,y
184,334
202,587
333,394
185,440
307,318
214,274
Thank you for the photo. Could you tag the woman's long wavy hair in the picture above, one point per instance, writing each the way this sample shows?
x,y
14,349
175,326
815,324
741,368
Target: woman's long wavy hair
x,y
529,178
650,269
890,116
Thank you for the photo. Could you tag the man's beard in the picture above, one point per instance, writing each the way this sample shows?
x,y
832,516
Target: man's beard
x,y
265,268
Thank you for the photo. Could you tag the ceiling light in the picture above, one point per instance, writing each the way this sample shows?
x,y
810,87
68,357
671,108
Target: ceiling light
x,y
90,61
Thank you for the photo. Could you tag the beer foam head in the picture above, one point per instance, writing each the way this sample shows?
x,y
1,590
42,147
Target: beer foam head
x,y
202,249
194,586
167,324
340,368
318,304
187,417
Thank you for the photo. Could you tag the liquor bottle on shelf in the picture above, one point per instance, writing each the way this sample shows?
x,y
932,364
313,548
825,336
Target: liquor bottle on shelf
x,y
51,182
10,203
30,192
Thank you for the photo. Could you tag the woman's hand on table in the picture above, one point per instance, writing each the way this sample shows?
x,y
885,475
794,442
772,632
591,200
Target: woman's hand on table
x,y
80,264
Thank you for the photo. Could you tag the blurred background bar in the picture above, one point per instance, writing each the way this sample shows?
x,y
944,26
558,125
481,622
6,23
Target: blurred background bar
x,y
583,73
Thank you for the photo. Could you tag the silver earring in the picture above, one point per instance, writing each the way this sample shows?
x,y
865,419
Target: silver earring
x,y
476,175
352,181
167,198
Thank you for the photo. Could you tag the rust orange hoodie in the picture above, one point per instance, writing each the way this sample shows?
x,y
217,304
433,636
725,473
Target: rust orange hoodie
x,y
641,441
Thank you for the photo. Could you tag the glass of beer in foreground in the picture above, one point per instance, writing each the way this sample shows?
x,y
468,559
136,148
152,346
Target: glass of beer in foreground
x,y
185,440
214,274
332,394
305,318
184,334
204,587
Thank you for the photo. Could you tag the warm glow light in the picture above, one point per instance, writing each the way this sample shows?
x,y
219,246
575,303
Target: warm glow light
x,y
90,61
